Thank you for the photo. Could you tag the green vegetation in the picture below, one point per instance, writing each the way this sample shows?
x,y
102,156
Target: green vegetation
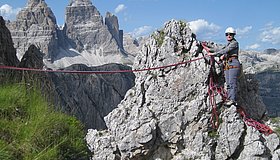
x,y
159,37
182,25
213,134
276,122
277,131
31,130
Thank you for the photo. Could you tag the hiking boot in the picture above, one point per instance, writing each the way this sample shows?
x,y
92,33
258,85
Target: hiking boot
x,y
229,102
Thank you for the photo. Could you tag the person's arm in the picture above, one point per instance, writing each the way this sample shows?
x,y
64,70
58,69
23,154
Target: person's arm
x,y
214,49
233,45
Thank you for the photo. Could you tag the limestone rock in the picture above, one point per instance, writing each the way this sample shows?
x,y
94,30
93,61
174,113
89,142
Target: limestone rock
x,y
33,58
90,97
167,114
113,25
84,38
7,50
82,18
133,45
80,2
87,33
35,24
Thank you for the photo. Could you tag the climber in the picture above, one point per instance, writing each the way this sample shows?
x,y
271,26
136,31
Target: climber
x,y
229,55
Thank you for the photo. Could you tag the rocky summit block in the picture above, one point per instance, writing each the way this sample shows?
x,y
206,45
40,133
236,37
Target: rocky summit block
x,y
167,115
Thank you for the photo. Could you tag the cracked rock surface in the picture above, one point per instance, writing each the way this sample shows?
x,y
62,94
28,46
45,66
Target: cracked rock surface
x,y
167,116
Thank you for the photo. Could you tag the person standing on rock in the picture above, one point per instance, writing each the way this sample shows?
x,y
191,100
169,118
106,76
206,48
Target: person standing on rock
x,y
229,54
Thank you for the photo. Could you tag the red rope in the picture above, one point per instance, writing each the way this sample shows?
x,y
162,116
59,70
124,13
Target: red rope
x,y
213,89
98,72
266,130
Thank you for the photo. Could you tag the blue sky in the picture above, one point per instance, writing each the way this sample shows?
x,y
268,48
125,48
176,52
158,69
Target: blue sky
x,y
257,21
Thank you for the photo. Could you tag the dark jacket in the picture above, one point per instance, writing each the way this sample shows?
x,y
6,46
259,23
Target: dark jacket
x,y
231,49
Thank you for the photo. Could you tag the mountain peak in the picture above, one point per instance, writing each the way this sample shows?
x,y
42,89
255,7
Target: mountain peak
x,y
80,3
35,20
34,3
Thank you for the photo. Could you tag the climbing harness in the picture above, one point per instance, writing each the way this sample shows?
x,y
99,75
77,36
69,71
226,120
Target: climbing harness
x,y
213,89
226,63
227,66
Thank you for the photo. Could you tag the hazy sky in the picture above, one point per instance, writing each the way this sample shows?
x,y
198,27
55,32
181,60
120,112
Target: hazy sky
x,y
257,21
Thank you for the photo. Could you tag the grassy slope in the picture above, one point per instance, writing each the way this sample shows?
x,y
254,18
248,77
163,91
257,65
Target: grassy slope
x,y
30,129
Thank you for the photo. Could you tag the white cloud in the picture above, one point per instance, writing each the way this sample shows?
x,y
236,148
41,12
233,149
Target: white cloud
x,y
142,31
204,29
253,46
8,12
243,31
202,25
120,8
271,34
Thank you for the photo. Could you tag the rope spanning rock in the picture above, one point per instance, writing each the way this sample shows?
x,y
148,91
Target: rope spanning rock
x,y
97,72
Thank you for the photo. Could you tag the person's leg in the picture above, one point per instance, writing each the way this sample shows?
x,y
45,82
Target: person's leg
x,y
233,76
226,72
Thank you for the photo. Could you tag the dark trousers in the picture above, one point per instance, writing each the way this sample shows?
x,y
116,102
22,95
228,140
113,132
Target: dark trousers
x,y
231,76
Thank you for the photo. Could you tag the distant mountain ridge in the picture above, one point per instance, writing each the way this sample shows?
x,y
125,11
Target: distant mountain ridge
x,y
271,51
85,37
266,68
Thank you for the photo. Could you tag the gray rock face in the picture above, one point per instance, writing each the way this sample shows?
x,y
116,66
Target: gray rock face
x,y
83,39
86,31
33,58
80,2
133,45
113,25
257,62
270,90
167,114
82,18
35,24
7,50
90,97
